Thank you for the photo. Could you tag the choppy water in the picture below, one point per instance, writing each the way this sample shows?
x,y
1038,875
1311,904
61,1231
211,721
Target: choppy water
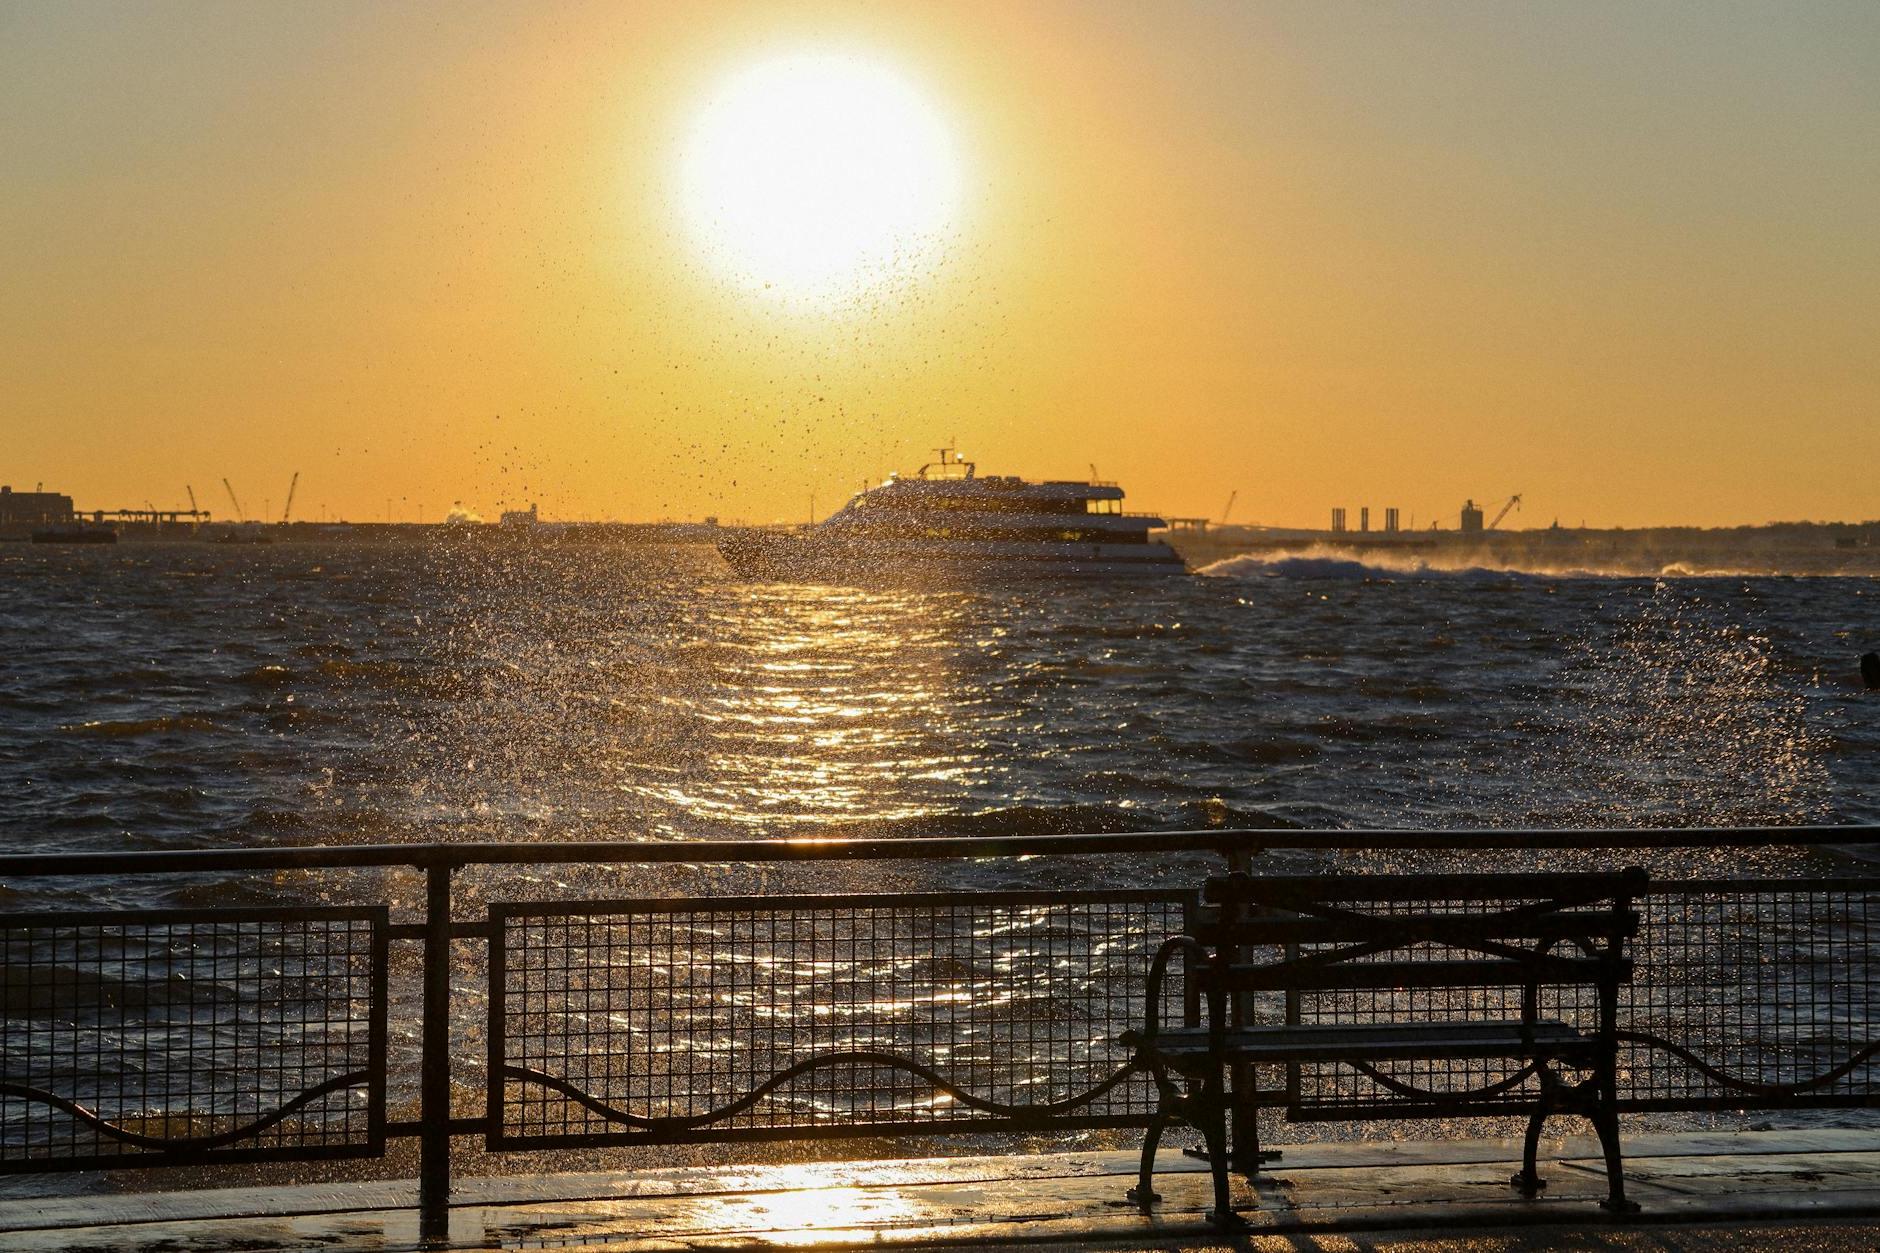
x,y
167,696
187,695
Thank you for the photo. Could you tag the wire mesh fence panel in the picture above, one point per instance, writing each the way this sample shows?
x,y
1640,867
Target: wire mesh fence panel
x,y
1753,995
1746,995
158,1037
799,1016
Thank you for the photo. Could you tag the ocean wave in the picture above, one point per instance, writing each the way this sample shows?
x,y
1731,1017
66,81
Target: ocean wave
x,y
266,676
439,683
1078,819
126,728
1271,749
1329,567
82,990
1327,563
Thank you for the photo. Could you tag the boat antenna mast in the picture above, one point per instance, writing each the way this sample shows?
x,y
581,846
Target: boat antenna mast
x,y
949,456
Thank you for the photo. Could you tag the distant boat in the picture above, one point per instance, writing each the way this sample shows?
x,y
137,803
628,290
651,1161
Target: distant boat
x,y
949,523
77,533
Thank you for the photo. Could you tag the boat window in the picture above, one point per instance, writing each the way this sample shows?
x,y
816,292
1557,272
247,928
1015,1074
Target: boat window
x,y
1103,506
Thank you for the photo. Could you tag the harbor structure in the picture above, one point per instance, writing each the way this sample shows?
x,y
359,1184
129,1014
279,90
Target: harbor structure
x,y
1341,520
34,508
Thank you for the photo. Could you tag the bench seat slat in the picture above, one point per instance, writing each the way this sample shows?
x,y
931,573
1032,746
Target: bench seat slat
x,y
1381,975
1180,1046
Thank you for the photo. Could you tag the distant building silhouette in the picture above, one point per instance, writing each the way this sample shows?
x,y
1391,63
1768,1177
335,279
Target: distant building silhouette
x,y
34,508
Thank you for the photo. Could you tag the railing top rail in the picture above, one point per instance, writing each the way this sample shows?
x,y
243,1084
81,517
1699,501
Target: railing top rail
x,y
1223,842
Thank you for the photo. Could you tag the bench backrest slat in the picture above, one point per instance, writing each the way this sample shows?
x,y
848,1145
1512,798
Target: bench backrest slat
x,y
1566,888
1378,932
1566,924
1374,975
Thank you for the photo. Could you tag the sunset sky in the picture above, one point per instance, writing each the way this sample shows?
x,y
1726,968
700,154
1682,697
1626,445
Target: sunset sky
x,y
1623,259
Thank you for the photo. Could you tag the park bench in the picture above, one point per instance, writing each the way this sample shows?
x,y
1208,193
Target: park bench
x,y
1393,996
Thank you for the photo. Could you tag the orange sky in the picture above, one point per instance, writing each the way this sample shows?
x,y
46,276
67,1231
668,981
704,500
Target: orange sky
x,y
1623,259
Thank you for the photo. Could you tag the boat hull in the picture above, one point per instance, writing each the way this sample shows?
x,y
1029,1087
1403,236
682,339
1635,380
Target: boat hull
x,y
791,558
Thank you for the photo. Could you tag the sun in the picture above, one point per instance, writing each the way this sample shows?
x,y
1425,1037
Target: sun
x,y
820,177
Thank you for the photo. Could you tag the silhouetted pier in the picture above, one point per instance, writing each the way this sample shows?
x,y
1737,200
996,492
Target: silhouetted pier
x,y
506,1010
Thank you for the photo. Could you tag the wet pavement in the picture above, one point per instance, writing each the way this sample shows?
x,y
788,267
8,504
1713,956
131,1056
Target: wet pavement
x,y
1797,1190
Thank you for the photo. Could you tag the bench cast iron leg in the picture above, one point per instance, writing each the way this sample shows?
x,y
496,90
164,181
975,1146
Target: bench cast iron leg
x,y
1213,1128
1144,1193
1529,1182
1247,1154
1606,1123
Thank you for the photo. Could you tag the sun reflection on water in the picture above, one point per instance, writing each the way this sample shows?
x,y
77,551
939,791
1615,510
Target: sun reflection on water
x,y
818,705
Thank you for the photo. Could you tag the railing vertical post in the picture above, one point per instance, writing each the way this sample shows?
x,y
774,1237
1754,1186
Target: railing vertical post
x,y
434,1083
1244,1152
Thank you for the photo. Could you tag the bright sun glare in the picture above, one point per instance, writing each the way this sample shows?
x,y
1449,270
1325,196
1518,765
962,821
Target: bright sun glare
x,y
820,177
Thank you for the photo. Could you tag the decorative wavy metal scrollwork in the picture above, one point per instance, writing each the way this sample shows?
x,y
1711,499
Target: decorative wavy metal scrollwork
x,y
891,1061
182,1144
1646,1039
1753,1086
1398,1086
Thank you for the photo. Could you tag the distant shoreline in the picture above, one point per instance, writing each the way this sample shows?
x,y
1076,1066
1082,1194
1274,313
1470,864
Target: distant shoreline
x,y
1774,549
1783,548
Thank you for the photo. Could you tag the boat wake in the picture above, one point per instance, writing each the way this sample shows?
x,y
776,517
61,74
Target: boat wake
x,y
1323,563
1326,565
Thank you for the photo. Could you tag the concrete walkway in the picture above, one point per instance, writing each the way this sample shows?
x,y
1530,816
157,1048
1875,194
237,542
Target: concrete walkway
x,y
1819,1189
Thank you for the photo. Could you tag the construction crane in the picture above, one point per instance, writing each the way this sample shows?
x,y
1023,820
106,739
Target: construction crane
x,y
295,482
192,499
240,514
1514,502
1229,507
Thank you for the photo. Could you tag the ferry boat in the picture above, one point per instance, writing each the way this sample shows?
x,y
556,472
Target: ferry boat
x,y
948,521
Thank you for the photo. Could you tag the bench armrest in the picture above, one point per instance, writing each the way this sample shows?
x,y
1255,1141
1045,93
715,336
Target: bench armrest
x,y
1158,974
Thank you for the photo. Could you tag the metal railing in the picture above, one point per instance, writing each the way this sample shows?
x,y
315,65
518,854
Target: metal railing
x,y
793,1017
164,1037
153,1036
